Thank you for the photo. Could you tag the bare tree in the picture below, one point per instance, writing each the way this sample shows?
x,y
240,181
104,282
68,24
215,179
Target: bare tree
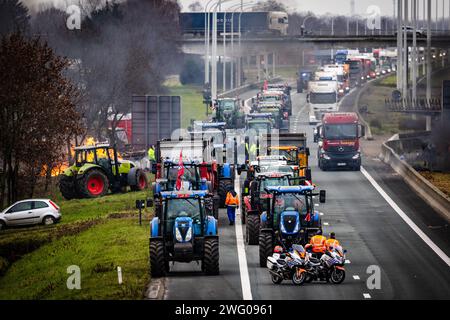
x,y
37,113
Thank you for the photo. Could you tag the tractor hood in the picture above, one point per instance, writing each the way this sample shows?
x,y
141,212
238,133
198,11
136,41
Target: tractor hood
x,y
290,222
182,229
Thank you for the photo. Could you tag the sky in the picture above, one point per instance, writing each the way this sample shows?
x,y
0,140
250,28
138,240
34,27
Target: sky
x,y
319,7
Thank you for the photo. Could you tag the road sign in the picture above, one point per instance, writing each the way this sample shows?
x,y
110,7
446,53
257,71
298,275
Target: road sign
x,y
154,118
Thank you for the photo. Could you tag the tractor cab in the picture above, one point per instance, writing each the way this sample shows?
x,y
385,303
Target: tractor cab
x,y
260,122
290,219
183,230
228,110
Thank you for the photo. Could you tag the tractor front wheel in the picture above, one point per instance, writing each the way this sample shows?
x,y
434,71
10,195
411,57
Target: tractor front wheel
x,y
265,247
67,187
93,184
141,181
210,263
158,264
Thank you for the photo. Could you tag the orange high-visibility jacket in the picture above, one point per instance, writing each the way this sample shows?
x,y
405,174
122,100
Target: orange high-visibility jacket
x,y
232,201
332,243
318,243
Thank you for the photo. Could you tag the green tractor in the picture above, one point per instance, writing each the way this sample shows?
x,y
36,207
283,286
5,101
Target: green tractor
x,y
97,170
228,110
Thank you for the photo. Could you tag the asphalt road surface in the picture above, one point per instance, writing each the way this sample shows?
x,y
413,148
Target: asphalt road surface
x,y
382,223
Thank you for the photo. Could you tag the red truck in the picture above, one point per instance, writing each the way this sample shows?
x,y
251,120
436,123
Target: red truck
x,y
338,137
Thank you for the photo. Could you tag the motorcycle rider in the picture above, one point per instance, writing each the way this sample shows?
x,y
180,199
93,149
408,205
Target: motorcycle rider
x,y
317,244
331,243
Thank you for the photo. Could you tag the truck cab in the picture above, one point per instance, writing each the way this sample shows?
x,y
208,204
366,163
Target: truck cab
x,y
322,97
338,137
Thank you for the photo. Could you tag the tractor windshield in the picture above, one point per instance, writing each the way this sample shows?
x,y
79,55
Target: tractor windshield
x,y
291,154
273,182
182,208
190,175
289,202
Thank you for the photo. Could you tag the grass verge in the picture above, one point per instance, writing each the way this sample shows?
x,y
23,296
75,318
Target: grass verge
x,y
97,251
192,102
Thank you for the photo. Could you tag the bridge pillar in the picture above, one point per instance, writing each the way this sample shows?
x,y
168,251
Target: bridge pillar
x,y
258,66
273,64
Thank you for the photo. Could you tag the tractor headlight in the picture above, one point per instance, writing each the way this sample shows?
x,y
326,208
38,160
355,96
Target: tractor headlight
x,y
188,235
341,90
178,235
347,88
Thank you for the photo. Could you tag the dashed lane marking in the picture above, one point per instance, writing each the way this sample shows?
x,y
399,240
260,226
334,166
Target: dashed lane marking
x,y
356,277
366,296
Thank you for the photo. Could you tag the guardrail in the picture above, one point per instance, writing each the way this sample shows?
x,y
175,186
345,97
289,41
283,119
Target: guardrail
x,y
427,191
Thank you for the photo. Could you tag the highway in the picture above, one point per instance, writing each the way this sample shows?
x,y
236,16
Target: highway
x,y
376,217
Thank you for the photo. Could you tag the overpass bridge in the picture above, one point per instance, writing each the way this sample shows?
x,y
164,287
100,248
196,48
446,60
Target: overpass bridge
x,y
255,45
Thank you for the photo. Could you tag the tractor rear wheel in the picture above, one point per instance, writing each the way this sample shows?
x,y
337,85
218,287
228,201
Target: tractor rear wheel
x,y
93,184
67,187
158,264
265,247
210,263
141,181
224,186
252,229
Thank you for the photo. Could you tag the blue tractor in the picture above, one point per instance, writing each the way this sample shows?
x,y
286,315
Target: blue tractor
x,y
183,230
290,219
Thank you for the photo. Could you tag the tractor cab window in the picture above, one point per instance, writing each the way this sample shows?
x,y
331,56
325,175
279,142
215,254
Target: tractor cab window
x,y
273,182
190,175
289,202
183,208
291,155
86,156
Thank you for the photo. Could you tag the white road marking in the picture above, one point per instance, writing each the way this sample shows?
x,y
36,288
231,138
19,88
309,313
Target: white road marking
x,y
321,213
347,261
326,224
405,218
316,204
242,258
366,296
356,277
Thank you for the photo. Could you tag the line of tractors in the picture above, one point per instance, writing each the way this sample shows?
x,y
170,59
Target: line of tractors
x,y
277,196
194,173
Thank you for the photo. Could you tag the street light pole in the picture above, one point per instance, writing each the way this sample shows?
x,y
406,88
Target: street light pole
x,y
240,7
207,39
428,118
399,46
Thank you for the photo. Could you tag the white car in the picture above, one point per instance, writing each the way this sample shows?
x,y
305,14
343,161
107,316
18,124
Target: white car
x,y
29,212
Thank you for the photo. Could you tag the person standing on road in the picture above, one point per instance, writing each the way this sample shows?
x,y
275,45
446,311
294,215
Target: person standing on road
x,y
232,202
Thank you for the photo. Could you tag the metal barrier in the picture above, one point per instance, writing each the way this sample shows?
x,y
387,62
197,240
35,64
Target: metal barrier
x,y
427,191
